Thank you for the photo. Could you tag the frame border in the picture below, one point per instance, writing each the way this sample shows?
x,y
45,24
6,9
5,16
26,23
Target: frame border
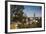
x,y
6,4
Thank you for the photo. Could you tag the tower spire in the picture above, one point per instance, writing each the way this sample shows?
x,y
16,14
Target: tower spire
x,y
34,15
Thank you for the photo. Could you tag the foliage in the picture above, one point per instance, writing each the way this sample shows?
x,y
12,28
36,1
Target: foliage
x,y
17,13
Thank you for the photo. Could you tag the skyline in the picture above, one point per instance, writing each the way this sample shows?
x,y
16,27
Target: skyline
x,y
30,10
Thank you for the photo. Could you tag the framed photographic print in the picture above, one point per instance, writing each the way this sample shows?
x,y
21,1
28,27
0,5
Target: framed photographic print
x,y
21,16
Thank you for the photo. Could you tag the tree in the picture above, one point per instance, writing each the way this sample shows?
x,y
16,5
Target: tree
x,y
16,12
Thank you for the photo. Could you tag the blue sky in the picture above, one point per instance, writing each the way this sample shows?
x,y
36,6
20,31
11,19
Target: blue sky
x,y
30,10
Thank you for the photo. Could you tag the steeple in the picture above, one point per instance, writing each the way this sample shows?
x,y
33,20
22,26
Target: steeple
x,y
34,15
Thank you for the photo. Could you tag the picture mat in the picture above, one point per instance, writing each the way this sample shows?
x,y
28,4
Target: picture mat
x,y
29,29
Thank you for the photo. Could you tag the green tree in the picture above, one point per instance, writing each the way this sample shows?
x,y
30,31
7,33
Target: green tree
x,y
16,12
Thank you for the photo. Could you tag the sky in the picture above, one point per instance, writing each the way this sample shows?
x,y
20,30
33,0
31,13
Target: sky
x,y
30,10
